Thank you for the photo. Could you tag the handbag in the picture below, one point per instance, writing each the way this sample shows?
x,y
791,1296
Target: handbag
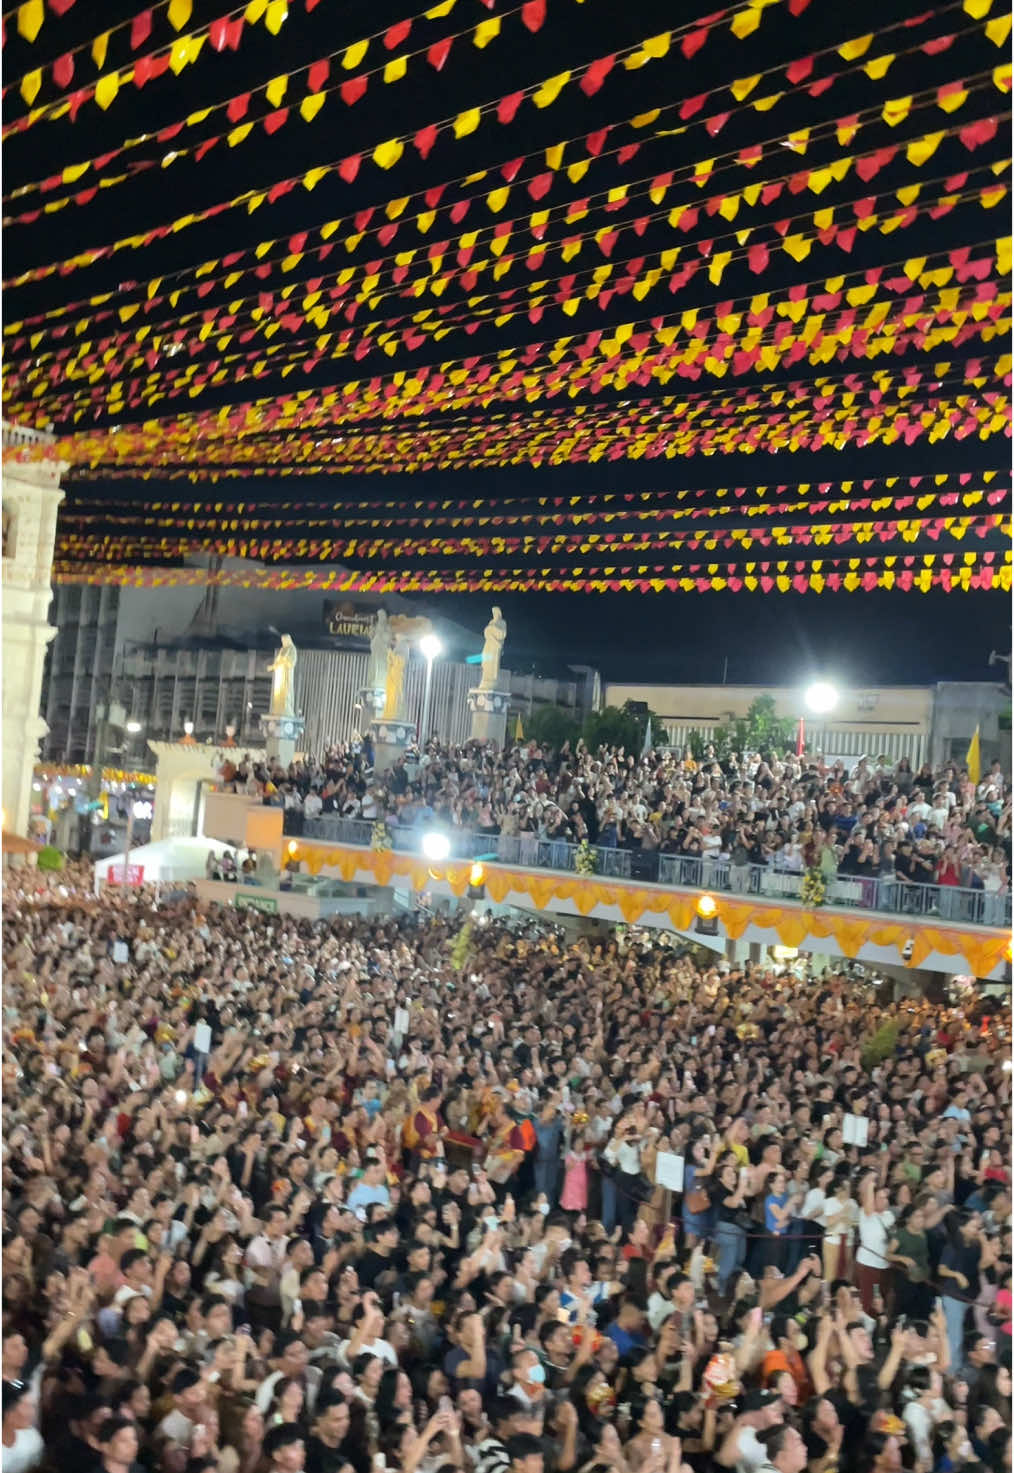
x,y
696,1201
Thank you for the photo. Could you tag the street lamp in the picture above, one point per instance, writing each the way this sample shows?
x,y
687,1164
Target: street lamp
x,y
134,727
431,647
820,698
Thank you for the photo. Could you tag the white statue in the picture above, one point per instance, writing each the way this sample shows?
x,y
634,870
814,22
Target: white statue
x,y
493,635
380,649
283,683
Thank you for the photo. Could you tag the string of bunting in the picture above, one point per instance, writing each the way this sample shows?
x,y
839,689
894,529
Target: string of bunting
x,y
682,344
831,226
776,416
93,548
316,76
387,154
640,506
951,572
433,202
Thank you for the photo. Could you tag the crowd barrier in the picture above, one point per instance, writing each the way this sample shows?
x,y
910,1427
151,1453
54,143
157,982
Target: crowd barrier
x,y
650,867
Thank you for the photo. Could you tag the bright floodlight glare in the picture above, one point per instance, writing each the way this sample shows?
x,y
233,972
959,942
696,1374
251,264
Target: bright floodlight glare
x,y
435,845
431,646
821,697
133,727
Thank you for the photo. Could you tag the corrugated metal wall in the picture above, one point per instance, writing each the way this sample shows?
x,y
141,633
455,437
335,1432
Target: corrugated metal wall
x,y
834,743
328,683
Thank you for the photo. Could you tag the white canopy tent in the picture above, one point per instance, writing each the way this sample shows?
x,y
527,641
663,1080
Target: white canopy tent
x,y
166,860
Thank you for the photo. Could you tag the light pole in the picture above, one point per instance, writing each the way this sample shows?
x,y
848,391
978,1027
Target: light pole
x,y
133,807
820,698
431,647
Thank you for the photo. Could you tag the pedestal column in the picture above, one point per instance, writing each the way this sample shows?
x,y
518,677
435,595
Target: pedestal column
x,y
31,499
489,715
282,735
391,738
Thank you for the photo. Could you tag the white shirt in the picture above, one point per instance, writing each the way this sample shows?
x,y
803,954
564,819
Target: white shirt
x,y
379,1349
27,1452
750,1452
873,1237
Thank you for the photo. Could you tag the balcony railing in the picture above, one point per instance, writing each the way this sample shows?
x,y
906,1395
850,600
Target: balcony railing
x,y
648,867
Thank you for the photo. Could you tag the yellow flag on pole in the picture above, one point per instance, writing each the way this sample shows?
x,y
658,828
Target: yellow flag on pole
x,y
519,731
973,759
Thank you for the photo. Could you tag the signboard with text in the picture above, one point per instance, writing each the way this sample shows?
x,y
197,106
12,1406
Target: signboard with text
x,y
350,625
135,874
267,903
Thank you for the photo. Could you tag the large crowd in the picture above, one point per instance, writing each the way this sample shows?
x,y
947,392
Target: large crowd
x,y
725,821
389,1193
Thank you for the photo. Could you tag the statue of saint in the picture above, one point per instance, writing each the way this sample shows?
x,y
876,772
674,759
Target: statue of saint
x,y
283,681
394,683
493,635
380,652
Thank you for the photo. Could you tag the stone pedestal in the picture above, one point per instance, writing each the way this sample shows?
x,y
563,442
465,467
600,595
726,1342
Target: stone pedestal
x,y
31,499
390,737
489,715
282,735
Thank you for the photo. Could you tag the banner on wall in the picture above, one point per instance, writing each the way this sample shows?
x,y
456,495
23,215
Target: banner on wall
x,y
135,874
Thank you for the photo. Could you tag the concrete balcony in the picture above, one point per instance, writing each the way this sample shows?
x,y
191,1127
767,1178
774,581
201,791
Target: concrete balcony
x,y
884,922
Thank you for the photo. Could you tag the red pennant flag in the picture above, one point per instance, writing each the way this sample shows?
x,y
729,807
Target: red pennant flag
x,y
218,32
596,74
397,33
349,168
272,123
533,15
508,106
238,107
438,53
140,30
63,70
425,139
353,89
692,43
317,76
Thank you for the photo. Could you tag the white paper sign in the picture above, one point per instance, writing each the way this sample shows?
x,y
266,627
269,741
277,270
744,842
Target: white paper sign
x,y
669,1171
202,1038
121,953
402,1022
855,1130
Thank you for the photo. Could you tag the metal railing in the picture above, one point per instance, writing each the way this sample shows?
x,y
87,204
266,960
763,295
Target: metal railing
x,y
950,903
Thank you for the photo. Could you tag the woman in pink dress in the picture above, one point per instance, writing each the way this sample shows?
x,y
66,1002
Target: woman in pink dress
x,y
574,1197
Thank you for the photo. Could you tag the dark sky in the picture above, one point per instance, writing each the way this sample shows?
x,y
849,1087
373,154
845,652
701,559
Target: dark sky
x,y
865,637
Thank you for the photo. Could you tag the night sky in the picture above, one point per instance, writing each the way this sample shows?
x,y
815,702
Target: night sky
x,y
865,638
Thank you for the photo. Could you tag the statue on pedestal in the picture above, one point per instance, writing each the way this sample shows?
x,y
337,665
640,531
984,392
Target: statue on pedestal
x,y
283,682
402,630
494,636
380,651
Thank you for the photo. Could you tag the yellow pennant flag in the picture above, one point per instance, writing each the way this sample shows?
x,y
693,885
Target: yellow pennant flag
x,y
30,18
973,759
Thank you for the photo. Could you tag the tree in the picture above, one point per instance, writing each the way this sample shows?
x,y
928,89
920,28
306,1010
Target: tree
x,y
760,730
619,726
551,726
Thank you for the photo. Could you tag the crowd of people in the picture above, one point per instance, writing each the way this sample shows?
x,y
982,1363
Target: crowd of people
x,y
384,1193
727,822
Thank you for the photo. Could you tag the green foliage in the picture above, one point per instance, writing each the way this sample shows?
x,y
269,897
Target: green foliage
x,y
49,858
881,1046
584,859
551,727
461,948
618,726
760,730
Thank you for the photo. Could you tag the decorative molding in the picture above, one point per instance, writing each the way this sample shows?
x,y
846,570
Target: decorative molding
x,y
393,733
493,702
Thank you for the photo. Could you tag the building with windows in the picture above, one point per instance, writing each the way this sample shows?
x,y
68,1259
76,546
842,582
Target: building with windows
x,y
930,723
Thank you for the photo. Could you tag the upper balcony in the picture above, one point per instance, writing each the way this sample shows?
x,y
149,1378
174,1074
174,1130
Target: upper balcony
x,y
894,919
